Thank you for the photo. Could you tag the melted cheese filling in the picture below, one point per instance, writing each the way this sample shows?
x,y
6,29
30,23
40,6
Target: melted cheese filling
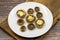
x,y
30,18
40,22
21,13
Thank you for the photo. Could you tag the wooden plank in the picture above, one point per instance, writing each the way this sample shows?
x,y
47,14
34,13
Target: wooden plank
x,y
55,8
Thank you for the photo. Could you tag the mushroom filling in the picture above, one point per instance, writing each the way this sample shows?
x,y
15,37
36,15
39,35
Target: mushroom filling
x,y
31,26
23,28
37,9
20,21
39,14
30,11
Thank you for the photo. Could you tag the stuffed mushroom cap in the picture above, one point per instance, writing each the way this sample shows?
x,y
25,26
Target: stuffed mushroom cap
x,y
37,9
23,28
39,23
39,15
20,21
30,11
30,18
31,26
21,13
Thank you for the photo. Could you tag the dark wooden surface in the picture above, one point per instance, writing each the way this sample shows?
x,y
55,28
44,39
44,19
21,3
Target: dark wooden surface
x,y
5,8
7,5
53,34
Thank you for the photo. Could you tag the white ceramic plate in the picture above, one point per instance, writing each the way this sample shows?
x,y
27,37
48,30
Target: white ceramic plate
x,y
47,16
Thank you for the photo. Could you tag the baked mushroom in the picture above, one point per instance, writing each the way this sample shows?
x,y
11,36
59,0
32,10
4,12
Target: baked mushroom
x,y
21,13
23,28
39,15
31,26
20,21
30,18
39,23
30,11
37,9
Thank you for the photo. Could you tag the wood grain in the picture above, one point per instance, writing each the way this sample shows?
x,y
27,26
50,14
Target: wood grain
x,y
55,8
8,30
53,5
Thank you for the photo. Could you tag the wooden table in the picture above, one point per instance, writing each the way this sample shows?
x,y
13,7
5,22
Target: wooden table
x,y
5,8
